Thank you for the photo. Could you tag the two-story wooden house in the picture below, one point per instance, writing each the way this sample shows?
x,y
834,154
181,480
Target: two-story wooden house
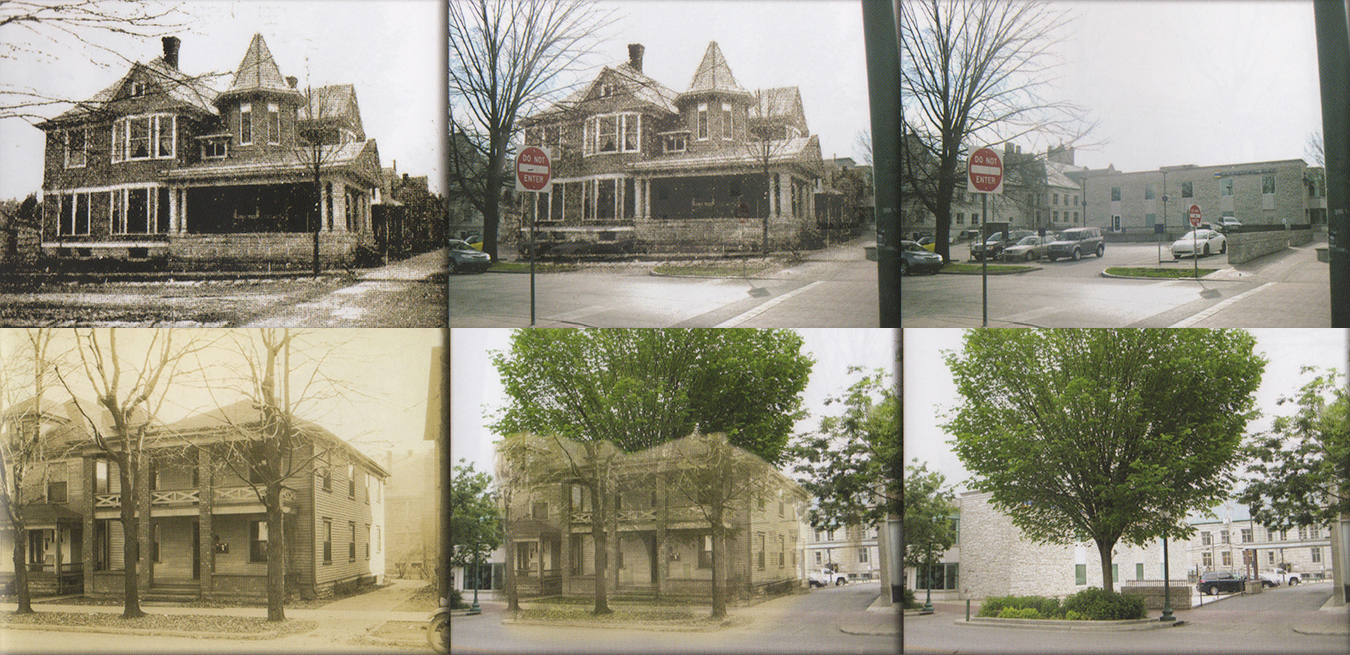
x,y
638,162
203,528
160,165
665,536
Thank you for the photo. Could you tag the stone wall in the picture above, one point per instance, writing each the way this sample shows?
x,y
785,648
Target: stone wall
x,y
295,248
1152,592
1246,246
725,234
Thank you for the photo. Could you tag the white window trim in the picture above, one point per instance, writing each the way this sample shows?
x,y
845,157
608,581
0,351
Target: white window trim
x,y
65,147
153,126
74,211
225,143
121,196
701,121
246,108
728,129
591,134
273,136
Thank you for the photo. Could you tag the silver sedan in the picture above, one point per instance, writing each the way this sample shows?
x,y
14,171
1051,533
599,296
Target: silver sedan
x,y
1032,247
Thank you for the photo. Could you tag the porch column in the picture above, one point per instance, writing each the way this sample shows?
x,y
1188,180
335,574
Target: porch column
x,y
182,210
205,543
143,526
323,202
339,206
85,506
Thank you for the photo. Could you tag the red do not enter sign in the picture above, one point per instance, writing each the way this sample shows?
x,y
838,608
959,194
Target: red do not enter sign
x,y
534,169
985,172
1194,215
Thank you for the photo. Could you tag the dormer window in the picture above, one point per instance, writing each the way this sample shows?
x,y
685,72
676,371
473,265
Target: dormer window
x,y
138,89
215,146
606,90
273,123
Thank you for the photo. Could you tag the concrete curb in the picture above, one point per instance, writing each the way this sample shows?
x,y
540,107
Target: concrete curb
x,y
1030,269
142,631
617,626
704,277
1205,278
878,631
1070,626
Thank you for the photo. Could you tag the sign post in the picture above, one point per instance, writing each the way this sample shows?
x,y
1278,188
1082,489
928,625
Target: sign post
x,y
534,173
1194,215
984,175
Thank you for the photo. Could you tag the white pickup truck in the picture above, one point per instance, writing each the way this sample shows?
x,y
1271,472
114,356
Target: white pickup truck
x,y
825,577
1278,577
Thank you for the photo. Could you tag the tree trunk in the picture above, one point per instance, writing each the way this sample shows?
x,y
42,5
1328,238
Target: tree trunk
x,y
492,201
512,594
276,555
318,215
21,567
598,513
131,606
615,543
1104,549
719,545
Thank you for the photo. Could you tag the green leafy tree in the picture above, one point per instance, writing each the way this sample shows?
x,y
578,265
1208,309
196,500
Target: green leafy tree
x,y
475,522
1301,468
1112,434
927,515
852,464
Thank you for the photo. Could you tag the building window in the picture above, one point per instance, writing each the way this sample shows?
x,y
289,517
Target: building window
x,y
367,541
1226,186
1302,532
1139,571
539,511
829,535
351,543
258,542
326,476
759,551
631,125
955,524
819,557
862,555
1056,202
77,154
1267,184
74,217
1206,539
327,541
1207,559
1270,557
702,121
56,492
726,121
1316,554
1115,193
1150,193
1315,532
138,138
137,211
1246,535
379,539
608,129
759,503
273,123
939,576
245,124
369,480
101,545
1080,574
1223,536
1186,190
100,476
1227,558
960,218
676,143
214,149
1284,535
351,480
780,508
1054,217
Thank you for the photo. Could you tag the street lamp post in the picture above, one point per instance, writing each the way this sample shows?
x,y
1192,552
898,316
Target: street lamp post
x,y
475,609
1167,587
928,584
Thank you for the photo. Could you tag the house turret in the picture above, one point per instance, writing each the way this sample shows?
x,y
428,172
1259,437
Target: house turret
x,y
259,107
715,107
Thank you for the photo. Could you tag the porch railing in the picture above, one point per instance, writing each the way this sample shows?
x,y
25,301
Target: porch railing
x,y
222,495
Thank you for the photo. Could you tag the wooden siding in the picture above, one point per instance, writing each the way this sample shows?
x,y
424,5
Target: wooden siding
x,y
235,530
342,510
175,548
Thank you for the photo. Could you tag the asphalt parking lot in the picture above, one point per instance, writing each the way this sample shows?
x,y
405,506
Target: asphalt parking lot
x,y
1117,254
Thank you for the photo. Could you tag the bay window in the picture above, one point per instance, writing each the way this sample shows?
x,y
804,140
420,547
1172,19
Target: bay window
x,y
140,211
74,214
612,133
145,137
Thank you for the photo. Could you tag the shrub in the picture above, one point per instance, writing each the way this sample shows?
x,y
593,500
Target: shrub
x,y
1044,607
1074,616
1019,613
1099,605
457,600
907,599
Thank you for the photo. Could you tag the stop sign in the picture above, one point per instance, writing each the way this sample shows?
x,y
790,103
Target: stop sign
x,y
985,172
1194,214
534,169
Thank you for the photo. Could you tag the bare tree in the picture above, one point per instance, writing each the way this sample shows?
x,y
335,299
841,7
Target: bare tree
x,y
128,395
767,141
505,58
35,29
1315,149
973,69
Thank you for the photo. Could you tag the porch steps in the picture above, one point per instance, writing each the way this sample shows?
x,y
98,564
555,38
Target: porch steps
x,y
173,591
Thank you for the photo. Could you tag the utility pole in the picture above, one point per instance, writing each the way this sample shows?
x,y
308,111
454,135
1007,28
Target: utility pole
x,y
1333,62
881,38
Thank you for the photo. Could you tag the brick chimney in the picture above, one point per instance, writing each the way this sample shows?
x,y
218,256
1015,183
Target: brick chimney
x,y
171,44
635,56
292,80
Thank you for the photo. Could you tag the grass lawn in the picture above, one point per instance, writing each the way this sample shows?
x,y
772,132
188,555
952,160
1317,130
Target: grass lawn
x,y
539,267
977,269
164,622
1159,272
711,270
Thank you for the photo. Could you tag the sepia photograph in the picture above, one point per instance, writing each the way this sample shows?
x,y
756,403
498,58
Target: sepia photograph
x,y
222,164
265,490
674,491
1108,491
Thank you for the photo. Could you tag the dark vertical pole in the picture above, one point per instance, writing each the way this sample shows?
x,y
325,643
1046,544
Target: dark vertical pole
x,y
984,258
533,247
881,36
1333,63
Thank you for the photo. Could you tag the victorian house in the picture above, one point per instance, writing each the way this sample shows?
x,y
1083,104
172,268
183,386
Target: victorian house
x,y
203,528
161,165
637,162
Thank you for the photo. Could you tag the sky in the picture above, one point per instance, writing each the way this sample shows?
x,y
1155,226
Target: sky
x,y
1189,81
477,393
391,50
384,376
930,392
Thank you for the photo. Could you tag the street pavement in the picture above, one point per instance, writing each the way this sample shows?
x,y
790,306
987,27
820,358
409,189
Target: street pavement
x,y
345,625
409,293
818,622
1285,289
832,287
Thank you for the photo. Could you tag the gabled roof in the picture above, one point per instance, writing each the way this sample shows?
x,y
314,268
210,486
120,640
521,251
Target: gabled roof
x,y
185,89
257,72
335,102
639,86
714,74
782,105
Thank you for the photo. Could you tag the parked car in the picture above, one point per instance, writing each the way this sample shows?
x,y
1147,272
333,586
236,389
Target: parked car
x,y
475,240
464,257
1075,242
928,243
913,257
1206,241
1278,577
825,577
996,242
1230,222
1216,581
968,235
1032,247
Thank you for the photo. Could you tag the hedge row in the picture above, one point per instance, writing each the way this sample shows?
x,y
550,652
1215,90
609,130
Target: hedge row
x,y
1090,604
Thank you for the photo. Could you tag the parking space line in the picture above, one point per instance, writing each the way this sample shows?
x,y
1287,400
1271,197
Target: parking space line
x,y
1030,314
737,320
1219,307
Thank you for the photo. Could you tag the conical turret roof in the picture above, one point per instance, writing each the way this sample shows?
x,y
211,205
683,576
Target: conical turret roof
x,y
714,74
258,72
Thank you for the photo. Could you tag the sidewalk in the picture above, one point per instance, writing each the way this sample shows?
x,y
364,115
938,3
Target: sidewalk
x,y
1294,292
390,296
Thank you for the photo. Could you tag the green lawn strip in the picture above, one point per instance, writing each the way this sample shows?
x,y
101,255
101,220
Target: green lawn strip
x,y
539,267
164,622
711,270
977,269
1158,272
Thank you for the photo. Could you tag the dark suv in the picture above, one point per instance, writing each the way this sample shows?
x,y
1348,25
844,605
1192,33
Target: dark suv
x,y
996,243
1217,581
1075,242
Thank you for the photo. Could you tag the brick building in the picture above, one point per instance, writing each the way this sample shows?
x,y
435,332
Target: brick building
x,y
203,530
639,163
162,166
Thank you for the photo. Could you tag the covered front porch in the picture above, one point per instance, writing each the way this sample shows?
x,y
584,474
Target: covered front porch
x,y
53,551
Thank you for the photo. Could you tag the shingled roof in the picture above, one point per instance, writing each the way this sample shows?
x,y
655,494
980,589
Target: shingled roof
x,y
714,74
188,90
257,72
335,102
